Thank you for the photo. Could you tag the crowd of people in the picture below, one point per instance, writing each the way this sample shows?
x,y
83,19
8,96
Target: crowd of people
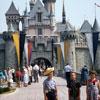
x,y
25,76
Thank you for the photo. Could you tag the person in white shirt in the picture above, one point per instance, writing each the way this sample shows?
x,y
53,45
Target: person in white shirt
x,y
30,73
36,73
67,70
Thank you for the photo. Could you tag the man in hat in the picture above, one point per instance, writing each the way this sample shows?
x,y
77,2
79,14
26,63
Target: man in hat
x,y
49,86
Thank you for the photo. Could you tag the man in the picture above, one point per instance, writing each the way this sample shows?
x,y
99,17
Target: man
x,y
67,70
74,88
36,73
49,86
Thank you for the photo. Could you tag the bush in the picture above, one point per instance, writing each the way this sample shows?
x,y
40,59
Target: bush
x,y
2,90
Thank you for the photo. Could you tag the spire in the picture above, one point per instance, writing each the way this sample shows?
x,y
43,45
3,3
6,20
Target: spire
x,y
26,12
51,11
63,14
11,29
96,27
86,27
12,10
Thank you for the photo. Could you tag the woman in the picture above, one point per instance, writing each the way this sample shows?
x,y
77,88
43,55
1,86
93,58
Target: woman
x,y
26,77
93,86
6,75
84,75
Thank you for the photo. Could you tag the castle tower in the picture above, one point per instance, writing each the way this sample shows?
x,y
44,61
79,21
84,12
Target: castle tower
x,y
52,17
63,14
70,37
48,3
10,61
32,2
12,16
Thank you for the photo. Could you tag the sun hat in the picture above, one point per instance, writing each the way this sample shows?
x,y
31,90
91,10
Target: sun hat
x,y
48,70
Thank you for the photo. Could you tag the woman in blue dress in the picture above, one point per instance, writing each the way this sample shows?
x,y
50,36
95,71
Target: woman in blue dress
x,y
84,75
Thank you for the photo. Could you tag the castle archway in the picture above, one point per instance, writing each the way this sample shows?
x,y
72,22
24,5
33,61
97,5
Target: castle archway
x,y
45,62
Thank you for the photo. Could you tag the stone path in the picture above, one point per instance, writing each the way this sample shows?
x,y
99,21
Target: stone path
x,y
35,91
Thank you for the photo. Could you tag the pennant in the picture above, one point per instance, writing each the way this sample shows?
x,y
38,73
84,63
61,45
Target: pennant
x,y
29,51
66,45
16,42
95,44
63,49
22,41
97,5
59,53
26,52
89,39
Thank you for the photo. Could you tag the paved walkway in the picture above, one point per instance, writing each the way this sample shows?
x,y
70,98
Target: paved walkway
x,y
35,91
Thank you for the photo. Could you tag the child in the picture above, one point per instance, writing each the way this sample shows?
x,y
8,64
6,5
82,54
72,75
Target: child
x,y
49,86
93,87
74,88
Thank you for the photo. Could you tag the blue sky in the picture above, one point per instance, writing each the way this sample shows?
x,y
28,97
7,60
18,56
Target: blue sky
x,y
76,11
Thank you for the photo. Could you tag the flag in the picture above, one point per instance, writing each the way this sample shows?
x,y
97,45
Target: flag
x,y
22,41
97,5
63,49
29,51
89,39
59,53
26,52
66,45
16,42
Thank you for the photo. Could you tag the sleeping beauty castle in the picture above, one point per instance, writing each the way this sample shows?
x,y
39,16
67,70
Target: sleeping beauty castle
x,y
48,41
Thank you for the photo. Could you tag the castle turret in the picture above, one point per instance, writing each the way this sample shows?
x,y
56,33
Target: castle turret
x,y
32,2
12,16
25,20
63,14
48,3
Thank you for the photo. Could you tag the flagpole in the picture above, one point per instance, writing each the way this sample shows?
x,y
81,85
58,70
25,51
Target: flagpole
x,y
95,9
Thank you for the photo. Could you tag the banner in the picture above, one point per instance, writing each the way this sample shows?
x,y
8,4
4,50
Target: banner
x,y
59,53
16,42
26,52
22,41
29,51
66,44
55,50
63,49
89,39
95,44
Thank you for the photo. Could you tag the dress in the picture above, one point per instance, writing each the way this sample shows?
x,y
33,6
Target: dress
x,y
93,90
84,74
26,77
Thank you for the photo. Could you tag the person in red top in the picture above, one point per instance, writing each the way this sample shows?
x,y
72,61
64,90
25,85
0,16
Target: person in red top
x,y
19,75
93,86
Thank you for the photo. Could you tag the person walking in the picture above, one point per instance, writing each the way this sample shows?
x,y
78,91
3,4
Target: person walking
x,y
93,87
74,88
13,74
36,73
67,70
84,75
49,86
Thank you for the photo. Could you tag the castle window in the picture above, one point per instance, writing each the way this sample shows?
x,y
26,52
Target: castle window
x,y
39,31
39,17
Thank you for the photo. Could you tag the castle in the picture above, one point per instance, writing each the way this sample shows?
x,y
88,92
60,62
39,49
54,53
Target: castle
x,y
42,30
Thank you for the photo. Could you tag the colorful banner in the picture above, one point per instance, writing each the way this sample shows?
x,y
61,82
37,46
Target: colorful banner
x,y
89,39
22,41
16,41
29,51
66,44
59,53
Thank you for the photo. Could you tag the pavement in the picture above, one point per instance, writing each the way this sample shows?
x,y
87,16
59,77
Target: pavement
x,y
35,91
